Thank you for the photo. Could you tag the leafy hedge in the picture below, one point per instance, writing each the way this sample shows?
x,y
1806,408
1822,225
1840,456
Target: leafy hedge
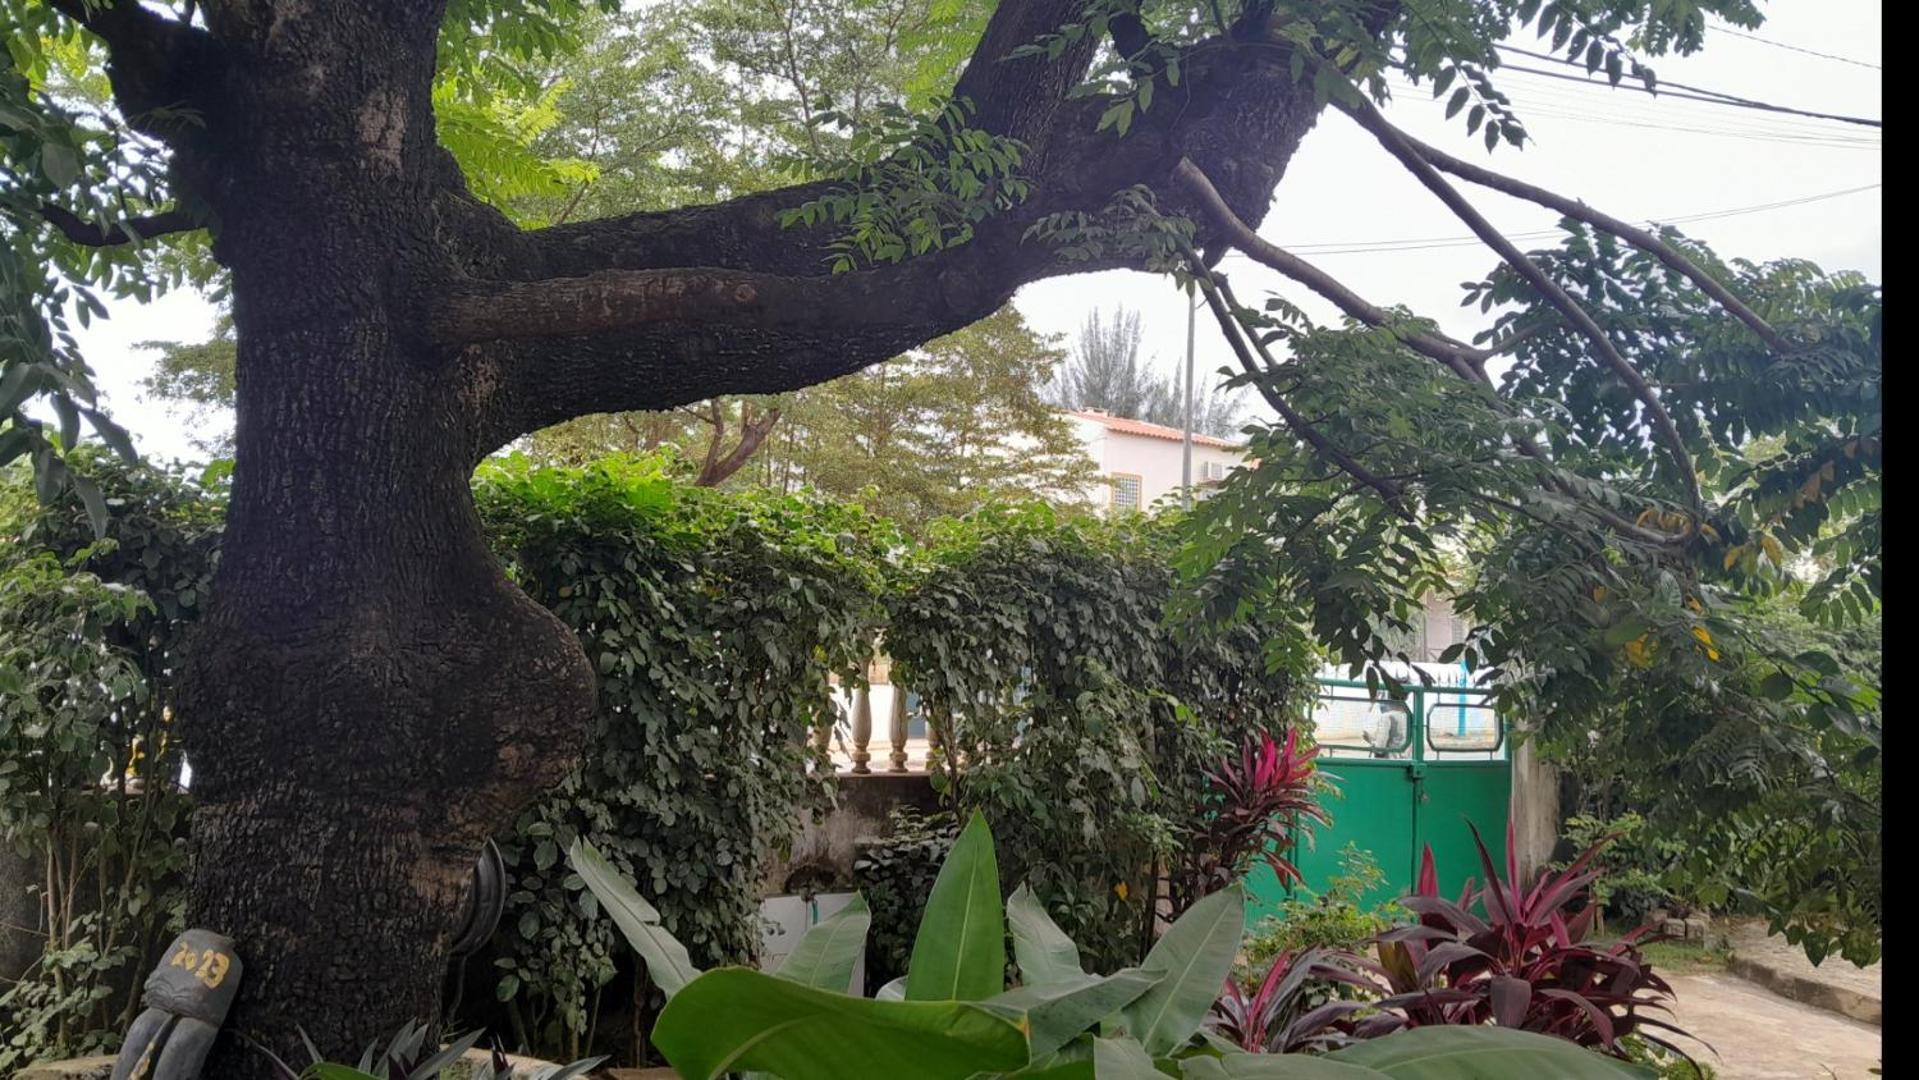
x,y
715,621
87,633
1085,717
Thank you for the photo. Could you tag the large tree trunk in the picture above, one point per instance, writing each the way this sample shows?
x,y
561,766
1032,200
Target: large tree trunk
x,y
369,698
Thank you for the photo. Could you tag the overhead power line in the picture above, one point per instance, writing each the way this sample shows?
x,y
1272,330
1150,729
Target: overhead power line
x,y
1673,89
1548,100
1794,48
1362,247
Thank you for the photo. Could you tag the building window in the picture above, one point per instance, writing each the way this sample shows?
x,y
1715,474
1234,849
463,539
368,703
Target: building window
x,y
1126,491
1214,470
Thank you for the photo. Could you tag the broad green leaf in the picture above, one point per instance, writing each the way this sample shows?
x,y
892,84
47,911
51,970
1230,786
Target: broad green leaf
x,y
1244,1066
960,951
738,1019
894,990
1122,1059
1056,1015
1464,1053
666,959
1195,954
1046,956
826,954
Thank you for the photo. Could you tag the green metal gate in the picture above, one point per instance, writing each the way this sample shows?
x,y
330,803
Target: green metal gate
x,y
1410,772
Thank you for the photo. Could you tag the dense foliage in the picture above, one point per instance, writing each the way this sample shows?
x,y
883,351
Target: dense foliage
x,y
716,623
1073,712
952,1016
89,769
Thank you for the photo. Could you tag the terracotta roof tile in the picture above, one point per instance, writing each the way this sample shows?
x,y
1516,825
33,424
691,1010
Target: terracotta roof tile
x,y
1128,426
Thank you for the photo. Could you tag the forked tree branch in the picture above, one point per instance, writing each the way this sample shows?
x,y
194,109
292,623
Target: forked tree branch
x,y
148,55
1455,356
1467,362
1229,325
1362,111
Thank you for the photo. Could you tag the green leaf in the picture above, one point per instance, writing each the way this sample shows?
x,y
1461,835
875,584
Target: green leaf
x,y
960,951
827,953
1196,954
1056,1015
1274,1067
1457,1053
96,506
1046,956
737,1019
1122,1059
60,164
666,959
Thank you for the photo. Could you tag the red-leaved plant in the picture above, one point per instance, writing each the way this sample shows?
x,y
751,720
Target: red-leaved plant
x,y
1292,1009
1256,803
1525,965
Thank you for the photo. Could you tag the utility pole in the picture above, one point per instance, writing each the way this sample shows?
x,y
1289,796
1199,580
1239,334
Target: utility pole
x,y
1186,450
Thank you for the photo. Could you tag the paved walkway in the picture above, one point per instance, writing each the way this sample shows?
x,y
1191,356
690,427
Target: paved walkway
x,y
1782,968
1757,1035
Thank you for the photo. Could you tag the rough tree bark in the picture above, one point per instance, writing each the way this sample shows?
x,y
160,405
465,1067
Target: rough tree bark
x,y
368,697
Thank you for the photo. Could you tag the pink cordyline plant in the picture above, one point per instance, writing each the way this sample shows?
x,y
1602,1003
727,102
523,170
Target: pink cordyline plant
x,y
1258,801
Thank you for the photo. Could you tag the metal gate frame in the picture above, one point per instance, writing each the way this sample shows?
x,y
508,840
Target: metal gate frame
x,y
1396,806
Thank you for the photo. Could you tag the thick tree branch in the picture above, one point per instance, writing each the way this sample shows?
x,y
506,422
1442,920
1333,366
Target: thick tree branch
x,y
1632,234
150,58
94,234
613,301
651,310
1362,111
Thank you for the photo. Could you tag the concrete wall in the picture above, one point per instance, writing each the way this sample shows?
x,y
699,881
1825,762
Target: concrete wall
x,y
1156,461
822,854
1535,807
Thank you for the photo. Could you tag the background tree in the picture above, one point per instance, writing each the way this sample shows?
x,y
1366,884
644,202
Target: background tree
x,y
369,696
1105,372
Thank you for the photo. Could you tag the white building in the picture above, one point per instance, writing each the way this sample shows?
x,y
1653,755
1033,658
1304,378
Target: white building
x,y
1139,463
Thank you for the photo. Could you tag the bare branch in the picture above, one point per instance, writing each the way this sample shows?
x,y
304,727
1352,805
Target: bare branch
x,y
1362,111
1465,361
1326,448
1632,234
753,432
94,234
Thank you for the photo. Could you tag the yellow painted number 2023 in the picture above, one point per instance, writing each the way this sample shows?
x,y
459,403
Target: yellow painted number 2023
x,y
210,967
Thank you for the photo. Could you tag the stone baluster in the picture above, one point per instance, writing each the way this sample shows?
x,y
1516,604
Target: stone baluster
x,y
862,729
896,730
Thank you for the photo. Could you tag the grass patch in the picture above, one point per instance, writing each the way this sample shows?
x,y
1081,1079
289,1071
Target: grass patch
x,y
1686,957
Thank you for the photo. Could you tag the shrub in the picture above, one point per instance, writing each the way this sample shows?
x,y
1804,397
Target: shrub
x,y
716,621
89,765
1636,866
1333,919
895,873
952,1017
1086,718
1524,965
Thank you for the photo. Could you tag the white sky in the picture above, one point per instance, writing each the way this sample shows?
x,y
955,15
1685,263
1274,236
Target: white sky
x,y
1634,156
